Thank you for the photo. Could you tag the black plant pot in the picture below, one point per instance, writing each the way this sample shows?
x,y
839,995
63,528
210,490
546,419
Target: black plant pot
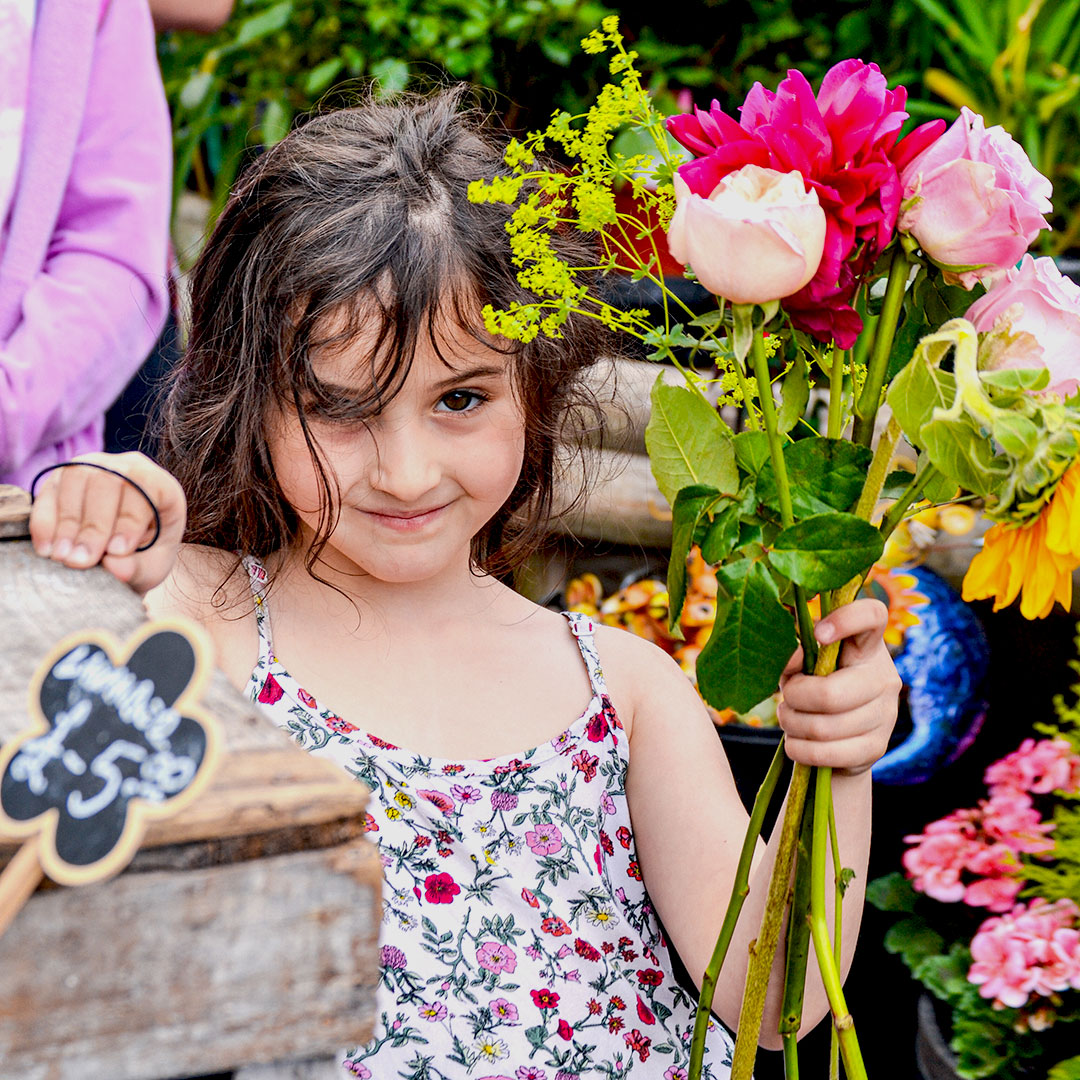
x,y
932,1054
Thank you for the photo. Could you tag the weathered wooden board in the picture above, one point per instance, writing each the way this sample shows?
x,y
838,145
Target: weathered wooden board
x,y
161,974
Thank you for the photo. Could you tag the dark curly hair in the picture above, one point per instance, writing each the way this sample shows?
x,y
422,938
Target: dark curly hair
x,y
360,214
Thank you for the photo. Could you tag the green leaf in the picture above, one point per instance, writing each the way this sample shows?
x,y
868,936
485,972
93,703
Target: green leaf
x,y
391,76
1019,380
1017,435
688,509
914,395
825,551
794,394
823,474
751,641
911,330
537,1036
196,88
723,533
275,122
321,76
751,451
265,22
962,453
688,443
941,489
913,939
896,483
1066,1070
893,892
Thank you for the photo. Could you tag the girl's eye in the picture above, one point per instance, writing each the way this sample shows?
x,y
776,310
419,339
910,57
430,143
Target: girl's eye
x,y
460,401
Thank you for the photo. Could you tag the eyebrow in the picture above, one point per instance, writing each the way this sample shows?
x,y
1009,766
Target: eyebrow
x,y
463,374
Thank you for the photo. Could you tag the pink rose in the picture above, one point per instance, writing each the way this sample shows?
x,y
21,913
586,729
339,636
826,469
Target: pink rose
x,y
757,237
1033,317
973,200
844,143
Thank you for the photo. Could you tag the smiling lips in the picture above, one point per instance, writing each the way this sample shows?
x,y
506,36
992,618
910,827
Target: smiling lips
x,y
406,521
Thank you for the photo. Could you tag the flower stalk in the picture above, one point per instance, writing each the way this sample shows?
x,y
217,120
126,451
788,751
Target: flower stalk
x,y
735,902
869,401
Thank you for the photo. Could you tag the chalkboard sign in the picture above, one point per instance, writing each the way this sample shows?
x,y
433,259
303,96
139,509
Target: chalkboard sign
x,y
116,738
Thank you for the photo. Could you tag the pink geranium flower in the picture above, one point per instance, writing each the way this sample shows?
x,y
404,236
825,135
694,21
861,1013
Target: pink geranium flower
x,y
844,143
1039,766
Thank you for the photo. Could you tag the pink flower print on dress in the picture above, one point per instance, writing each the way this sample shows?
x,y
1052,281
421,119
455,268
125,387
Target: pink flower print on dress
x,y
496,957
530,1072
392,957
434,1012
564,743
504,800
271,691
545,839
440,889
545,998
439,799
675,1072
598,727
355,1068
607,804
504,1011
306,699
565,1031
465,794
339,726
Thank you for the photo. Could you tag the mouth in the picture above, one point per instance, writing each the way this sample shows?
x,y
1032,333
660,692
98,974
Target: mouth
x,y
405,520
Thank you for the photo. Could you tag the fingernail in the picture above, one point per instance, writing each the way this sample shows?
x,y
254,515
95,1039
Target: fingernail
x,y
63,549
45,550
118,545
824,633
81,554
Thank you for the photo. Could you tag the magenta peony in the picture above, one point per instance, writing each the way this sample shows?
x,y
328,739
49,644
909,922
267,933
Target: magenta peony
x,y
757,237
973,200
844,144
1033,318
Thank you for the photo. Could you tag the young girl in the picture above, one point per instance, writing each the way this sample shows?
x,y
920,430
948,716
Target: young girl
x,y
547,793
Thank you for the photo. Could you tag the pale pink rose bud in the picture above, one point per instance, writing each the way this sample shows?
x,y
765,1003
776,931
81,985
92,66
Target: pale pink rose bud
x,y
758,237
1032,317
973,200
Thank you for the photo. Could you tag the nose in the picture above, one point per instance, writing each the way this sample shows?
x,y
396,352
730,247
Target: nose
x,y
406,463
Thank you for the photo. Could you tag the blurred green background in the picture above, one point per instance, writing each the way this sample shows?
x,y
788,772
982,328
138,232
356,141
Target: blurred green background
x,y
242,87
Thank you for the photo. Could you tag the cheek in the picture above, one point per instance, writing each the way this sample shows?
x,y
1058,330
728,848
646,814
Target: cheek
x,y
500,460
293,468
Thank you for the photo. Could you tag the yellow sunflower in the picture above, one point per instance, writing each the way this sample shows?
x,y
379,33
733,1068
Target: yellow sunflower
x,y
1036,559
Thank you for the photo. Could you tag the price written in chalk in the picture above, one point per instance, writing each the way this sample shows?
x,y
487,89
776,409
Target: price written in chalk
x,y
115,741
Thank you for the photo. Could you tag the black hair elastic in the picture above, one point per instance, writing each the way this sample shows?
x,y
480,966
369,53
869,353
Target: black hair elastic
x,y
105,468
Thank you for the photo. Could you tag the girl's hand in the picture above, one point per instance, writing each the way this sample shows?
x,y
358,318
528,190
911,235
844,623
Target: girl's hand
x,y
843,720
82,517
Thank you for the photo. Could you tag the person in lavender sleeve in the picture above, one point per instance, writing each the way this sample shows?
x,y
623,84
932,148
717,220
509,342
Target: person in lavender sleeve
x,y
85,167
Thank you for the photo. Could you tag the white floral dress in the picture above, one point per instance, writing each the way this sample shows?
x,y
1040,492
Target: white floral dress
x,y
518,941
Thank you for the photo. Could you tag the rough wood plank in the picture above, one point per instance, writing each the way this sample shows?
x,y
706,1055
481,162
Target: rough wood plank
x,y
14,511
183,973
327,1069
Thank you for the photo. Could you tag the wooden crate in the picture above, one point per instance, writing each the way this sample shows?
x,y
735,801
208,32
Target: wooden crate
x,y
243,933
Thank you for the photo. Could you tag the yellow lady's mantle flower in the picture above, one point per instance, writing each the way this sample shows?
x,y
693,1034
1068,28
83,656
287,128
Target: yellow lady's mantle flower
x,y
1038,557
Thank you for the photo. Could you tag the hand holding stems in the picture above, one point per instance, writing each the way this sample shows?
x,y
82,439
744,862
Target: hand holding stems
x,y
82,517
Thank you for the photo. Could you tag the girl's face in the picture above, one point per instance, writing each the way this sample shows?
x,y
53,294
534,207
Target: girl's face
x,y
422,478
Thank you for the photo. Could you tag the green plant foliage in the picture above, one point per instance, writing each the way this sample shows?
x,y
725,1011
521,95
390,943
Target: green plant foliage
x,y
825,551
751,641
825,474
687,442
688,509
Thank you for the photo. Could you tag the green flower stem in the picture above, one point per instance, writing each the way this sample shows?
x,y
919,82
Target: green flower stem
x,y
838,931
836,393
738,895
763,949
797,951
783,488
911,494
870,398
819,932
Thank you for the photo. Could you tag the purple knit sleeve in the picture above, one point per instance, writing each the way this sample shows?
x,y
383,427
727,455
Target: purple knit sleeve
x,y
94,309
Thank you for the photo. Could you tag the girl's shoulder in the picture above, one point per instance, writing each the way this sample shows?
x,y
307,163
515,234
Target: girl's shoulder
x,y
211,587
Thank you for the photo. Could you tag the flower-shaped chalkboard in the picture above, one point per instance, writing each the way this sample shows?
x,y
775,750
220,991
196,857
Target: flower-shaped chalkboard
x,y
116,738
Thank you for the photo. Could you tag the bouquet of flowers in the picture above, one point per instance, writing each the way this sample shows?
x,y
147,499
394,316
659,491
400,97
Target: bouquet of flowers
x,y
990,922
890,269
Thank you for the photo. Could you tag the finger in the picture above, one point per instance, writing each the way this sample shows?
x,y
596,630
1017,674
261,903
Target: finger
x,y
860,625
70,496
795,664
826,727
102,493
846,688
851,755
43,515
134,523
